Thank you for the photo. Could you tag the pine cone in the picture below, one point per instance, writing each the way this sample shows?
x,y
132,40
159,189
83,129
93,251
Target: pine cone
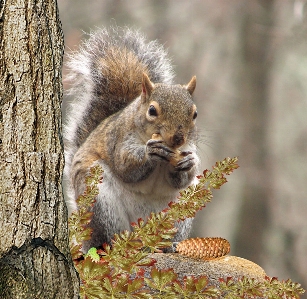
x,y
204,248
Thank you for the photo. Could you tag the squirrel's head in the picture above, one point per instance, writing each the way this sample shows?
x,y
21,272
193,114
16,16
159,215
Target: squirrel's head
x,y
170,111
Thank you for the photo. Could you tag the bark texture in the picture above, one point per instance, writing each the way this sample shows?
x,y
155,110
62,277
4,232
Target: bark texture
x,y
34,257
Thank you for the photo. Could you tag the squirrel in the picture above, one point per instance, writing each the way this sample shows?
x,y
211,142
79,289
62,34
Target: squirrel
x,y
128,117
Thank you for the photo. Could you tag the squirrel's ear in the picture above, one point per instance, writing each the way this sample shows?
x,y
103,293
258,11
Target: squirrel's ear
x,y
190,87
147,87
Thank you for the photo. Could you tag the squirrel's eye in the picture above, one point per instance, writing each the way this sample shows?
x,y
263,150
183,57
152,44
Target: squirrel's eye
x,y
195,115
152,110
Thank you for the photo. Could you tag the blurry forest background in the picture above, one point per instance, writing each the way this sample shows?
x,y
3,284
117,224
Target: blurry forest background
x,y
250,59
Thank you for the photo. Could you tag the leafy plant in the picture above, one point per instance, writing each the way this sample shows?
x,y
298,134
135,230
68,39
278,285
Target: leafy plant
x,y
117,271
270,288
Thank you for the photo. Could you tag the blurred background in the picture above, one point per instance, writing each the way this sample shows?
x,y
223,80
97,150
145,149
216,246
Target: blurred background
x,y
250,59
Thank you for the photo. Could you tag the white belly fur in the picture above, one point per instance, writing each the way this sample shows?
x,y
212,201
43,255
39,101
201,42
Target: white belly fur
x,y
137,200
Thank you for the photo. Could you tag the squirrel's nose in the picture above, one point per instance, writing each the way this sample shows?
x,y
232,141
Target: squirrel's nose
x,y
178,139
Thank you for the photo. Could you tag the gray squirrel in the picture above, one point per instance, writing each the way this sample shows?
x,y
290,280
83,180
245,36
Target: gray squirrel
x,y
128,117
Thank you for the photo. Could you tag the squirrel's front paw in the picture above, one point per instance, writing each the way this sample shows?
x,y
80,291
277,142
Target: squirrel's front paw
x,y
156,148
186,163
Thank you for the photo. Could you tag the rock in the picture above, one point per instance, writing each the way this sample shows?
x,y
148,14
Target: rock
x,y
223,267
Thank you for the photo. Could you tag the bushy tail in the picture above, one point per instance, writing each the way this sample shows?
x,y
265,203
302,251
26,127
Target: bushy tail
x,y
105,75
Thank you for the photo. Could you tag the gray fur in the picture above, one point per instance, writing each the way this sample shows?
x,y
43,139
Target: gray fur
x,y
107,125
87,109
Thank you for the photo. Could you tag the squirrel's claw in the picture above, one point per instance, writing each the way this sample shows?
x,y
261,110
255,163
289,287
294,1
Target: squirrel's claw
x,y
158,149
185,164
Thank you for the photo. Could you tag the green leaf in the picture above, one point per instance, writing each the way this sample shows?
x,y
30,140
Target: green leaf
x,y
76,251
161,280
92,253
201,283
135,285
89,270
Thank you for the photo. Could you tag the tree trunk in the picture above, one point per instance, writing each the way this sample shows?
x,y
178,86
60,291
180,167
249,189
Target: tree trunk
x,y
255,83
34,258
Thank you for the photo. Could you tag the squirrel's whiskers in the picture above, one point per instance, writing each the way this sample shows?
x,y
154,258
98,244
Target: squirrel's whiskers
x,y
129,117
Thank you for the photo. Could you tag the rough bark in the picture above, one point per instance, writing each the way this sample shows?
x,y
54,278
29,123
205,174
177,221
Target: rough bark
x,y
34,256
